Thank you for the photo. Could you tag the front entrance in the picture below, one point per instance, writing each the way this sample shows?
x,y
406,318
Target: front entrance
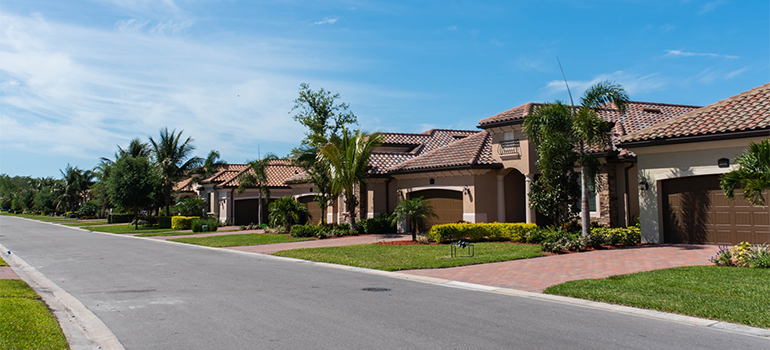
x,y
448,205
696,210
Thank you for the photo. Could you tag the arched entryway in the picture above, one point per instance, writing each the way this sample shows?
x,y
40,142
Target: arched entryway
x,y
515,197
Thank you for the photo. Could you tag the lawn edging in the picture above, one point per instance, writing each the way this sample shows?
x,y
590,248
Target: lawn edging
x,y
82,328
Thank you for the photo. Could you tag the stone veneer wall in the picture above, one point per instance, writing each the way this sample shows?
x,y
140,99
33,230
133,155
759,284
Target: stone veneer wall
x,y
608,196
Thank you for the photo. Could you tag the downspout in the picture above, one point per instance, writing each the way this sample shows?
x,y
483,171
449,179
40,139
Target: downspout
x,y
232,206
627,195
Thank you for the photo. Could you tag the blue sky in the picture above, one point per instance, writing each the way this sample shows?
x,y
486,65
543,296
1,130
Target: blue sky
x,y
78,78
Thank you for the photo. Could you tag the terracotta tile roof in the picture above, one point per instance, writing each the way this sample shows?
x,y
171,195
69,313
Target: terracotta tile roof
x,y
417,144
226,174
184,185
515,113
749,110
475,150
277,173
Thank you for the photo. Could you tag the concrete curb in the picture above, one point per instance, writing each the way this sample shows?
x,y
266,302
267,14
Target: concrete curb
x,y
628,310
82,328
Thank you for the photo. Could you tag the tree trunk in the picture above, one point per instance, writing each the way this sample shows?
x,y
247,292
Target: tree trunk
x,y
351,203
136,218
586,211
259,215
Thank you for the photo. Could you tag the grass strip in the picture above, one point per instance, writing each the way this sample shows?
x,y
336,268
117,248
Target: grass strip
x,y
3,263
731,294
26,321
153,234
126,228
87,224
40,217
240,239
407,257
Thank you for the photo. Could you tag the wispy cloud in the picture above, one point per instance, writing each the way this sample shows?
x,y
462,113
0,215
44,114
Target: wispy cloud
x,y
451,28
680,53
328,20
633,83
710,6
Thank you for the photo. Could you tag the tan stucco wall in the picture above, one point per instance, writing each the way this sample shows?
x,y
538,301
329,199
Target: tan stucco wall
x,y
525,163
658,163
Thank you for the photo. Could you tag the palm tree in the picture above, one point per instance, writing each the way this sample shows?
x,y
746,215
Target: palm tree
x,y
752,174
584,128
173,159
286,211
75,184
256,176
348,161
416,210
210,166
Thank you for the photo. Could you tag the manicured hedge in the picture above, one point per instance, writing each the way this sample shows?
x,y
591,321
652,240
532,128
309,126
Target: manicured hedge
x,y
514,232
380,225
182,222
631,235
120,218
197,224
164,222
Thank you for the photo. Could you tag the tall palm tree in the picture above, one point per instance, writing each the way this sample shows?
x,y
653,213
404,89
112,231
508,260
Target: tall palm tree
x,y
257,177
348,161
211,165
75,184
174,160
416,210
752,174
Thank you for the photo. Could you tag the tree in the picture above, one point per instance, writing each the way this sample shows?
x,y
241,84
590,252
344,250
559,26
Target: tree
x,y
75,184
286,211
566,136
173,158
131,184
190,206
416,211
324,118
348,162
257,177
752,174
211,165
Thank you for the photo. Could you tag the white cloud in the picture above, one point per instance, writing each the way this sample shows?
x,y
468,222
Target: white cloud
x,y
710,6
633,84
328,20
451,28
680,53
735,73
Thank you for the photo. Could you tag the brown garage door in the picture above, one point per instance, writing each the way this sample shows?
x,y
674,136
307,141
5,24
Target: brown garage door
x,y
448,205
246,211
313,208
696,210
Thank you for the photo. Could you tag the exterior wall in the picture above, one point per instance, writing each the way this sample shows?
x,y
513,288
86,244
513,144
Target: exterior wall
x,y
525,160
658,163
376,197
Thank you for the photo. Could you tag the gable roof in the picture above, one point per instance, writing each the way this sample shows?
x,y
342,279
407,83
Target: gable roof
x,y
278,171
748,111
472,151
184,185
229,171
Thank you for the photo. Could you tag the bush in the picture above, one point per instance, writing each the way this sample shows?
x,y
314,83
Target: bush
x,y
379,225
181,222
197,224
743,254
514,232
307,230
68,215
760,257
164,222
723,257
631,235
88,210
120,218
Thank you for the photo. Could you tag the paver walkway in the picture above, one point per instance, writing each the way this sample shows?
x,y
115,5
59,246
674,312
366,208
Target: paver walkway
x,y
6,273
322,243
536,274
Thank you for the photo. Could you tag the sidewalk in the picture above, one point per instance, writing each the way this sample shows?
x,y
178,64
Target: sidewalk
x,y
536,274
322,243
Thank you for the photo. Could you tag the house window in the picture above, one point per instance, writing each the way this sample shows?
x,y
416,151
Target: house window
x,y
508,136
592,198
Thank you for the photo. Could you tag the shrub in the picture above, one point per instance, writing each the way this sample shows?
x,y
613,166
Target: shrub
x,y
631,235
88,210
286,211
164,222
181,222
68,215
742,253
197,224
120,218
379,225
514,232
760,257
307,230
190,206
723,257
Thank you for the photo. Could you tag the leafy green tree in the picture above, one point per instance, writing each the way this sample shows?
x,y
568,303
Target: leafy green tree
x,y
324,118
752,174
173,157
348,161
286,211
257,177
75,184
131,184
566,136
415,211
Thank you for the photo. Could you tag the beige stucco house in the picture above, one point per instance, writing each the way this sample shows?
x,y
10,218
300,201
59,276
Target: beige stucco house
x,y
679,166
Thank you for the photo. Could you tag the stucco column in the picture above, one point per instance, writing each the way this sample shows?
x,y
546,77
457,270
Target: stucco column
x,y
500,198
528,178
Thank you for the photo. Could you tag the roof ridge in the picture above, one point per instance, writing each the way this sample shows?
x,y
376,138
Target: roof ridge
x,y
427,135
460,142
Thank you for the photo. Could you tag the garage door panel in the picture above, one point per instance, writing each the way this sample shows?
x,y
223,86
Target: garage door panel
x,y
447,205
697,211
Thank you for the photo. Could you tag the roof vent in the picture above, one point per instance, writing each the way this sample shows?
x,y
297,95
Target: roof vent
x,y
652,110
459,137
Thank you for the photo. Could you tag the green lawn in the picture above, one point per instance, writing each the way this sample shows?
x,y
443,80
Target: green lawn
x,y
3,263
240,240
393,257
126,228
732,294
26,321
152,234
88,223
41,217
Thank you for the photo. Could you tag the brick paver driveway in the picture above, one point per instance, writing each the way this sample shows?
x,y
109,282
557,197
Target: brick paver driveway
x,y
536,274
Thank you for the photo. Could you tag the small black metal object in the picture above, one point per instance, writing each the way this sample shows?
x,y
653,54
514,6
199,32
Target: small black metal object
x,y
723,162
375,289
471,249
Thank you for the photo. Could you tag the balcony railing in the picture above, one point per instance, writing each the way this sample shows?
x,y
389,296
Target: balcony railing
x,y
509,148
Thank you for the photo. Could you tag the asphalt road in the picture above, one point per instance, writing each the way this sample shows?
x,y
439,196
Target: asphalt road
x,y
156,295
